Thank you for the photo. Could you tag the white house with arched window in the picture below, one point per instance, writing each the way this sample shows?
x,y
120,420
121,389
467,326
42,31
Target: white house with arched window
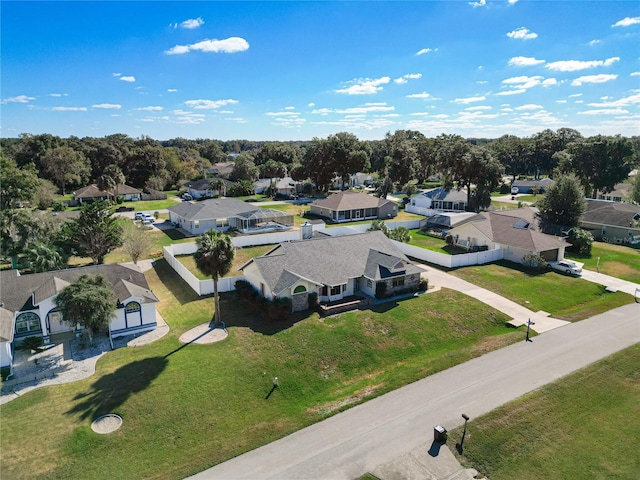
x,y
27,304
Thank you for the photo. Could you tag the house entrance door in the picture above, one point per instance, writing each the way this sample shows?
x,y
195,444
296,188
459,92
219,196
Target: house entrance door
x,y
56,325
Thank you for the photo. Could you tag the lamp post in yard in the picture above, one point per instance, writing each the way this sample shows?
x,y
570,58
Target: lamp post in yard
x,y
529,323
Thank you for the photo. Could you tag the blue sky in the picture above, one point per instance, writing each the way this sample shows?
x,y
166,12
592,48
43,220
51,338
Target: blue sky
x,y
298,70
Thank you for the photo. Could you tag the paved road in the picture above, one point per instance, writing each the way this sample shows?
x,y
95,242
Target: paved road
x,y
375,433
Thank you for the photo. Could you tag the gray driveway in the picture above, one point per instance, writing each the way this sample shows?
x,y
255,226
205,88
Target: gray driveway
x,y
376,433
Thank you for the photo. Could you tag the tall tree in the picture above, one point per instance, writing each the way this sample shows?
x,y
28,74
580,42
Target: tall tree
x,y
348,155
65,167
89,301
110,179
479,169
94,234
17,185
318,163
244,168
450,149
563,203
135,241
402,155
43,257
214,257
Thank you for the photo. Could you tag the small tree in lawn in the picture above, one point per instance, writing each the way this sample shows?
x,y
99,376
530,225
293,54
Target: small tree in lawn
x,y
135,241
88,301
214,257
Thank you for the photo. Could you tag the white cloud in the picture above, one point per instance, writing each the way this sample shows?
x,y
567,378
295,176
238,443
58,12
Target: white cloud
x,y
172,90
18,99
524,61
58,94
209,104
634,74
547,82
117,74
108,106
480,107
523,81
362,109
405,78
575,65
129,79
366,86
228,45
423,95
512,92
522,33
311,104
192,23
606,111
289,108
627,22
594,42
623,102
481,3
601,78
561,101
426,50
530,106
150,109
69,109
575,95
468,100
512,2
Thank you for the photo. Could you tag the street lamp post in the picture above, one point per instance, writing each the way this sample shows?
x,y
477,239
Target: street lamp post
x,y
529,323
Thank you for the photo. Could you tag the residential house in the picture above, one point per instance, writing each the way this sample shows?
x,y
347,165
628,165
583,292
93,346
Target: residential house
x,y
611,221
207,187
332,267
28,303
353,206
287,187
262,185
92,192
441,223
357,180
530,186
516,231
620,193
222,169
225,213
437,200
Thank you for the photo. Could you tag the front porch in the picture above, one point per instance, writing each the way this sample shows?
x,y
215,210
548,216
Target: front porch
x,y
352,302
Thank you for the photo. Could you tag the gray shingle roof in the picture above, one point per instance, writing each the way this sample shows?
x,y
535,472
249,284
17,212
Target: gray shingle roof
x,y
350,201
609,213
16,290
330,260
6,325
446,195
212,208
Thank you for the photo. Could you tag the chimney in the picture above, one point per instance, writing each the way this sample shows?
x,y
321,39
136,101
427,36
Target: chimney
x,y
306,231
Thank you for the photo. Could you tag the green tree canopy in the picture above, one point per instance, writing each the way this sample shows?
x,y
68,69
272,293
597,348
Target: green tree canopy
x,y
563,204
214,257
89,301
66,166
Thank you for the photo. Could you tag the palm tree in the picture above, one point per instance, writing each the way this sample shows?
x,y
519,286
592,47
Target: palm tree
x,y
44,258
214,257
111,177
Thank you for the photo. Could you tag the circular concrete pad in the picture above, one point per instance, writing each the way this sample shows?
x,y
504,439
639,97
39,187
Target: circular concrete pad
x,y
203,333
107,423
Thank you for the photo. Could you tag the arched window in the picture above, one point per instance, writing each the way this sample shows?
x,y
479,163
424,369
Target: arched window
x,y
28,323
300,289
133,314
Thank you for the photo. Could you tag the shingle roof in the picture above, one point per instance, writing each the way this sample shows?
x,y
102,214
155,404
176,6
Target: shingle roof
x,y
330,260
92,191
6,325
543,182
16,290
206,183
446,195
350,201
212,208
609,213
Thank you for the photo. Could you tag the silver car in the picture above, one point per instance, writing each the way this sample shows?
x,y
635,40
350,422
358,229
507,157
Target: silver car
x,y
566,266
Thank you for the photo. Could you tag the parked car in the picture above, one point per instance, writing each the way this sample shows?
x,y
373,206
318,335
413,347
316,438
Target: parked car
x,y
187,196
148,219
566,266
138,216
124,209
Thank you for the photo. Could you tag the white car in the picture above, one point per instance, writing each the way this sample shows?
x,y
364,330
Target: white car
x,y
566,266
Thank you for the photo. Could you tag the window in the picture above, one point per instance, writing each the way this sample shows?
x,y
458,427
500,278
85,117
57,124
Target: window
x,y
28,322
336,290
222,222
369,284
132,314
300,289
398,282
132,307
196,224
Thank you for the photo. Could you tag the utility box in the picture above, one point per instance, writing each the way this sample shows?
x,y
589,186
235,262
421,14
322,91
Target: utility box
x,y
439,434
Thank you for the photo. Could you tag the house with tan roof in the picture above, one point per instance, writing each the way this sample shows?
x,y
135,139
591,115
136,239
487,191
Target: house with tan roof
x,y
353,206
92,192
516,232
28,303
334,268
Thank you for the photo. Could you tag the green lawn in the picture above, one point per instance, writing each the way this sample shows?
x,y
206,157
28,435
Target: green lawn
x,y
243,255
615,260
188,408
585,425
564,297
292,209
422,240
151,205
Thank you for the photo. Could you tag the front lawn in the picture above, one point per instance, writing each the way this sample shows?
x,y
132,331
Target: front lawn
x,y
582,426
564,297
186,408
243,255
615,260
422,240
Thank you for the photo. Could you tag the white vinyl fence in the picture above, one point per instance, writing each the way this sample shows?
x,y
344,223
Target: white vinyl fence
x,y
227,284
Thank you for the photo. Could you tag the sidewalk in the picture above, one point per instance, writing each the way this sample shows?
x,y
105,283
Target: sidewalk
x,y
613,284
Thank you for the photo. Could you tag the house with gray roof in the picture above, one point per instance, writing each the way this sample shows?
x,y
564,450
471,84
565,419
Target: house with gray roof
x,y
516,232
437,200
530,186
616,222
333,267
225,213
28,303
207,187
353,206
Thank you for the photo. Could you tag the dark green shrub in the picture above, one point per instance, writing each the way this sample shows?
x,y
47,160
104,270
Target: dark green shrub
x,y
120,199
58,206
424,284
32,343
313,300
505,189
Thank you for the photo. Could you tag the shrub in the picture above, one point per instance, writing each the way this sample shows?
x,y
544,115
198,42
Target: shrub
x,y
32,343
581,242
120,199
313,300
381,290
534,262
58,206
505,189
424,284
156,215
449,240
